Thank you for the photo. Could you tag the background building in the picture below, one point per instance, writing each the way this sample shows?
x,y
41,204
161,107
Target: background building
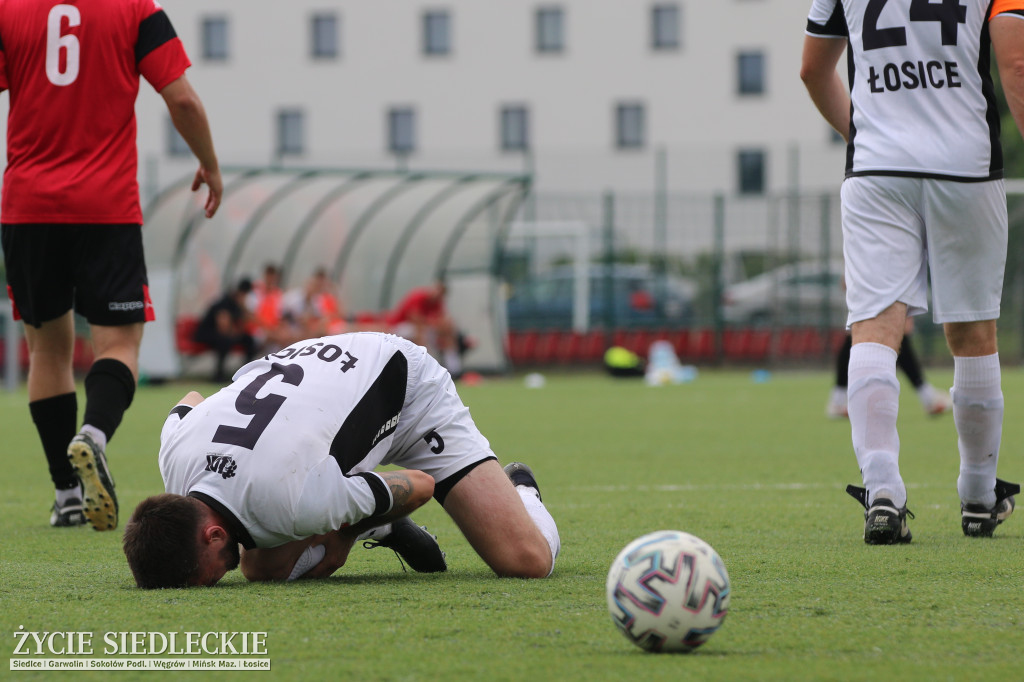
x,y
671,136
586,94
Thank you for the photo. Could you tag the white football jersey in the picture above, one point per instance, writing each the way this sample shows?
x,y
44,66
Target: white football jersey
x,y
287,450
923,103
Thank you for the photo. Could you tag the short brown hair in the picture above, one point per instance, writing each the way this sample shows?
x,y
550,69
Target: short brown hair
x,y
160,541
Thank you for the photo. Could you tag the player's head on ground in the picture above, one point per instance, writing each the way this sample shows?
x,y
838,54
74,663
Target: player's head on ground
x,y
176,541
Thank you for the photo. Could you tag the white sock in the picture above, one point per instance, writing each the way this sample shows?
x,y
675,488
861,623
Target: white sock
x,y
838,396
874,400
927,395
540,515
97,436
313,555
978,415
63,496
376,532
452,361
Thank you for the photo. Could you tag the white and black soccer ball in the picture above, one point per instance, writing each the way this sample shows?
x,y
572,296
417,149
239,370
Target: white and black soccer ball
x,y
668,591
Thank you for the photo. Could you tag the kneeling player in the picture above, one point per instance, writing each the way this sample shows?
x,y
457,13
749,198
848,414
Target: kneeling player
x,y
281,461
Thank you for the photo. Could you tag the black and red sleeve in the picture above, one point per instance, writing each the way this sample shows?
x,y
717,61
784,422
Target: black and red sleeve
x,y
4,84
159,54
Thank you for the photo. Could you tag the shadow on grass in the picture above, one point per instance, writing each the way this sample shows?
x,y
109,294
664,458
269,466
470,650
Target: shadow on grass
x,y
235,582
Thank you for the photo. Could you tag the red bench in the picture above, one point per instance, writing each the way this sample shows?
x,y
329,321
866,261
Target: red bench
x,y
184,330
82,357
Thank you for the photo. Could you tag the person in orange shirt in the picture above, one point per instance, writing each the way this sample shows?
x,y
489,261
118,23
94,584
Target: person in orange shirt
x,y
314,308
272,327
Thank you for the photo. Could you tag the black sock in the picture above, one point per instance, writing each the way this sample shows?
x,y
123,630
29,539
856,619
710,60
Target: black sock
x,y
56,421
109,389
843,363
908,362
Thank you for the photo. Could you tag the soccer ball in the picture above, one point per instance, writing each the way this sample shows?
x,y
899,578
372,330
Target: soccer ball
x,y
668,591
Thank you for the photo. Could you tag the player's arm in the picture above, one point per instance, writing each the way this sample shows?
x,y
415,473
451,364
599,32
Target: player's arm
x,y
409,489
826,88
189,117
192,398
173,421
277,563
1007,34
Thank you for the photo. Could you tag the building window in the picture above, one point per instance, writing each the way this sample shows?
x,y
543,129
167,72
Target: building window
x,y
751,170
324,38
750,73
291,132
665,27
401,130
550,29
515,128
629,126
215,38
176,145
437,33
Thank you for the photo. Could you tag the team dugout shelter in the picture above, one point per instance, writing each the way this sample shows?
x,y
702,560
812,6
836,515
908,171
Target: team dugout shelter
x,y
377,233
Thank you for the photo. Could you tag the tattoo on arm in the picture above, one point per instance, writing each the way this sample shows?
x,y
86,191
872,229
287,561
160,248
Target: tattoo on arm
x,y
400,486
409,490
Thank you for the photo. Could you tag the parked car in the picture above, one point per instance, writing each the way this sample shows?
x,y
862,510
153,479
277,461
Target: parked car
x,y
638,299
803,293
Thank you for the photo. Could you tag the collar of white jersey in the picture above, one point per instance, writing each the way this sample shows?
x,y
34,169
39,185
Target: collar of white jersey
x,y
235,526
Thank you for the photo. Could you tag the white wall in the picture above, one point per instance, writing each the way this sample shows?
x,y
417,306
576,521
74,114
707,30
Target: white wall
x,y
693,111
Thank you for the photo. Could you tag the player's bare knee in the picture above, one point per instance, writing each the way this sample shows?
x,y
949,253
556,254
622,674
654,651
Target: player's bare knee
x,y
51,361
526,562
971,339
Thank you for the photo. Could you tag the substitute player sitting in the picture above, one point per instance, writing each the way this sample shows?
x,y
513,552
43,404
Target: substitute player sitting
x,y
281,461
422,317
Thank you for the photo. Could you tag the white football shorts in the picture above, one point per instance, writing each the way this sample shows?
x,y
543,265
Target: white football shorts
x,y
897,229
436,433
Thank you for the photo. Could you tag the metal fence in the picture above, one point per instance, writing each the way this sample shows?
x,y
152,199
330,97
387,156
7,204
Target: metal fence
x,y
763,270
729,279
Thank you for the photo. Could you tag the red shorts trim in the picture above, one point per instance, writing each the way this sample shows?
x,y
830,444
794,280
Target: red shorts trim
x,y
14,306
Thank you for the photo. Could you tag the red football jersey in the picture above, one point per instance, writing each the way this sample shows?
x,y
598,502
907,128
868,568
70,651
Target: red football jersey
x,y
72,70
419,302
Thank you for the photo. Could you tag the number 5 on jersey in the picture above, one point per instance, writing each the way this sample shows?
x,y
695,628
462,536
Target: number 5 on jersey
x,y
262,409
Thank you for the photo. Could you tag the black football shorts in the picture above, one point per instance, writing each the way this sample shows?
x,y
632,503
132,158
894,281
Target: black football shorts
x,y
99,270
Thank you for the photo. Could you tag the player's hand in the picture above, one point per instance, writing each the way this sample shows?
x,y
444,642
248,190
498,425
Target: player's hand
x,y
337,546
212,180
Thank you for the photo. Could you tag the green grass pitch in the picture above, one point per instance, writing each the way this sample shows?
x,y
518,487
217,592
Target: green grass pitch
x,y
752,467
